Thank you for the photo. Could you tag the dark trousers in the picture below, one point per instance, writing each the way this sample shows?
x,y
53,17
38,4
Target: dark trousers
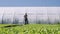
x,y
26,21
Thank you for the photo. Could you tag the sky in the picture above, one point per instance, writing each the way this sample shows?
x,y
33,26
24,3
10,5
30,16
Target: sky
x,y
29,3
9,6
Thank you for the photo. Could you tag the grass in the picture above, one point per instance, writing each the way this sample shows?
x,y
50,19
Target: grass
x,y
30,29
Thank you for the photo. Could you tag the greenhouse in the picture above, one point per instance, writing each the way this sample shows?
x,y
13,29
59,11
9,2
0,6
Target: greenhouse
x,y
36,15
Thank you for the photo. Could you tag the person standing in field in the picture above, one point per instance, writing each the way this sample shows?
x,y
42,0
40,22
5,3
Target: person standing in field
x,y
25,18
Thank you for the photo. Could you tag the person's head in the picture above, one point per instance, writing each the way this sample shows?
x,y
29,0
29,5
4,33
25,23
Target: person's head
x,y
25,13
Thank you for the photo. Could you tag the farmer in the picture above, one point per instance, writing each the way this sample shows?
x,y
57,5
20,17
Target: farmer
x,y
25,18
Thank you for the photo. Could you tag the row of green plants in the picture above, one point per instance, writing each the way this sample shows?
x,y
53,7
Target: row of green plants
x,y
32,29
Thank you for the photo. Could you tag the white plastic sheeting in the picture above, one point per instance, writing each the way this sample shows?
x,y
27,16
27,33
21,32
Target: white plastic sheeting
x,y
15,15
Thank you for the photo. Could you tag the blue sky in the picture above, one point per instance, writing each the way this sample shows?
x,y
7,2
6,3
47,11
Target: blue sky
x,y
30,3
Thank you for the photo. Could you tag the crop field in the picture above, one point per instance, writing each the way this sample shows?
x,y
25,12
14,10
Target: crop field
x,y
30,29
